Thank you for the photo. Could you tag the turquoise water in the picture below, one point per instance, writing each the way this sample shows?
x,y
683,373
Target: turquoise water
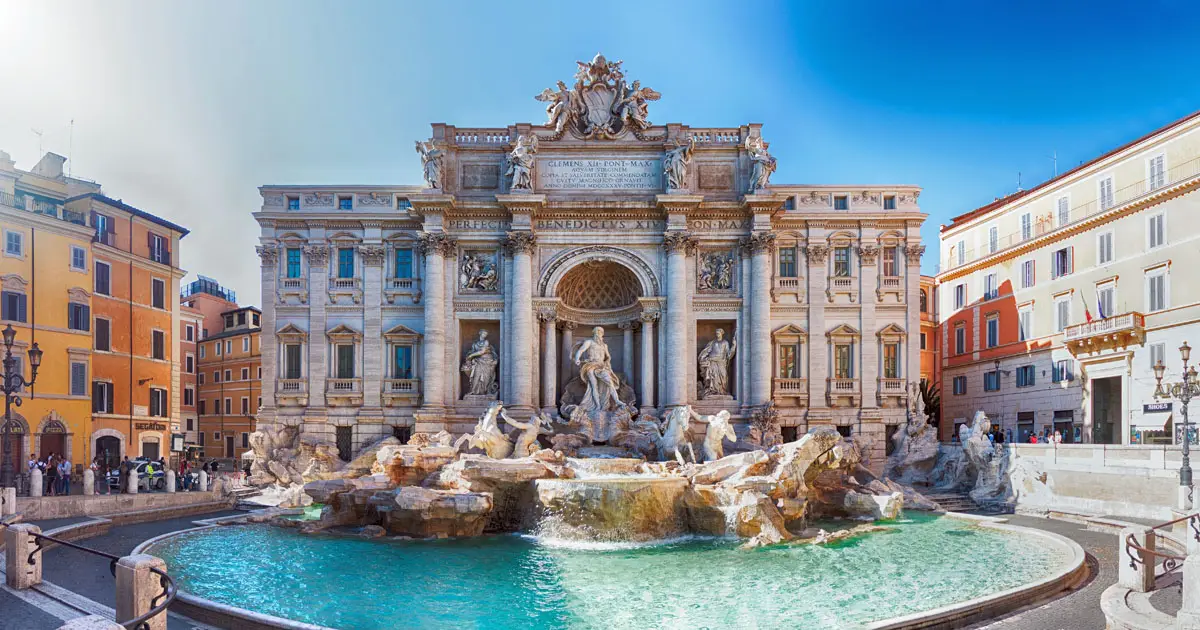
x,y
518,582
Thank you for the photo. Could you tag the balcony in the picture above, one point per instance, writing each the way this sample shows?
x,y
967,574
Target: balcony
x,y
791,391
843,392
345,288
296,288
892,392
291,392
44,208
890,285
1114,333
397,288
343,391
787,286
842,285
401,391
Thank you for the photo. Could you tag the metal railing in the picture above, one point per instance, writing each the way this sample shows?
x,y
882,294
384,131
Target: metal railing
x,y
1125,321
158,605
1170,562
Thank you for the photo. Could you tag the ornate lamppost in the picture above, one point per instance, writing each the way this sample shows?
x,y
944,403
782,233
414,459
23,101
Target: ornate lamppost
x,y
13,383
1184,391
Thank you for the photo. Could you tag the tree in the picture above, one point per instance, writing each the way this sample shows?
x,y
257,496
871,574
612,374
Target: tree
x,y
933,402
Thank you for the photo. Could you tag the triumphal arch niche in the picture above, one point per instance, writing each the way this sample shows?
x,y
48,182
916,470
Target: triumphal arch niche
x,y
601,267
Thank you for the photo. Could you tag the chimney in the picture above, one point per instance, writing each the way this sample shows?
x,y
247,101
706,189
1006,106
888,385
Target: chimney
x,y
50,166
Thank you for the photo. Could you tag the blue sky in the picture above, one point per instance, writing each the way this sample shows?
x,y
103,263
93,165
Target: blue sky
x,y
183,109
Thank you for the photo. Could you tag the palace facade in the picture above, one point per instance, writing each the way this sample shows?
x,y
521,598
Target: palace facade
x,y
393,309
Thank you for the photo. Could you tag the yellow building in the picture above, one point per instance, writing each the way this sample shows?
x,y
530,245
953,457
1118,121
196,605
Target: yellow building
x,y
46,295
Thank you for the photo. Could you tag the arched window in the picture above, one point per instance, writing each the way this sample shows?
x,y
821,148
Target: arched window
x,y
924,301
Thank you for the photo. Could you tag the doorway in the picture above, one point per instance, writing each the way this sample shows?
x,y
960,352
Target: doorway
x,y
53,443
108,448
150,450
228,446
1106,410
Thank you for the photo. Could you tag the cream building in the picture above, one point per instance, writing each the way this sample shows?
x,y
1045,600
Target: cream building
x,y
535,234
1117,236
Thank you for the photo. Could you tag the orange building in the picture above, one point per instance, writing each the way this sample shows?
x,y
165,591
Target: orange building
x,y
191,322
931,364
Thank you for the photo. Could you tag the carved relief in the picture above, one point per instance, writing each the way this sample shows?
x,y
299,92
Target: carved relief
x,y
716,176
868,253
759,242
600,105
317,254
520,242
814,198
714,273
865,198
477,272
319,200
269,254
383,200
908,199
680,241
481,176
372,255
817,253
439,243
78,295
273,201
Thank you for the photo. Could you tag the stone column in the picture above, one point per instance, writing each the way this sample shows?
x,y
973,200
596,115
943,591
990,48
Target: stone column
x,y
318,296
521,244
627,350
19,572
435,247
818,344
89,482
138,586
761,246
912,347
170,480
568,343
647,357
548,317
373,347
269,257
679,245
35,482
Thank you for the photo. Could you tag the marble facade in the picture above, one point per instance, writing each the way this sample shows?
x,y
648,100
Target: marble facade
x,y
609,229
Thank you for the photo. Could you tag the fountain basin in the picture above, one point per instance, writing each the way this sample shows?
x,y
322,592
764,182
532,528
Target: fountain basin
x,y
612,508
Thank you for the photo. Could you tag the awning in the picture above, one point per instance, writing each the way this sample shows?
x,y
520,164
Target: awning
x,y
1152,421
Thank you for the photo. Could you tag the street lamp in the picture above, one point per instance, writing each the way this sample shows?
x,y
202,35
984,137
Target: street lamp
x,y
13,383
1184,391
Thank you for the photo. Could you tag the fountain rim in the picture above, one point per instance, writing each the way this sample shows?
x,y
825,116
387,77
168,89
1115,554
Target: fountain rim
x,y
1073,572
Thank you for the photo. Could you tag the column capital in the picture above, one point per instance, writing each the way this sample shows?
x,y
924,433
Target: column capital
x,y
759,243
437,243
817,253
648,317
680,241
868,253
372,255
520,242
626,325
913,253
547,314
568,325
317,254
268,253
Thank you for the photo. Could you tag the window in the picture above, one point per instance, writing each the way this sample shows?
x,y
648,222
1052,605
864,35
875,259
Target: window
x,y
78,258
1062,313
1026,226
345,203
245,344
245,440
103,279
102,397
923,341
229,406
841,261
345,361
200,378
960,339
254,318
245,374
1157,171
158,402
960,385
228,346
191,424
14,243
891,360
890,256
79,378
346,262
993,239
216,376
1026,375
1158,354
158,293
293,203
841,202
1062,262
245,406
201,351
158,345
1105,299
787,262
843,361
789,366
260,372
1104,248
293,262
228,375
291,361
1156,290
404,263
402,362
229,321
1028,275
189,396
189,332
924,301
993,331
1155,234
258,405
200,407
1064,210
218,346
889,202
960,295
1025,323
79,317
991,381
200,435
158,248
962,252
1062,371
1106,192
991,288
102,336
12,304
189,364
241,318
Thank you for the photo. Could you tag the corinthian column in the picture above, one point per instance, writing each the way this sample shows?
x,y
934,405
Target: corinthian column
x,y
627,351
521,244
548,316
679,245
435,248
761,245
568,345
648,319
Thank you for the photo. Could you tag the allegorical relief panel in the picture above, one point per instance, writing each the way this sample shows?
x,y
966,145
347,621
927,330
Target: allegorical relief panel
x,y
480,176
714,271
477,271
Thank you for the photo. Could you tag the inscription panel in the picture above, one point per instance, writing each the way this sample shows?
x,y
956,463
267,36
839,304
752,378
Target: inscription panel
x,y
716,176
590,225
481,176
599,174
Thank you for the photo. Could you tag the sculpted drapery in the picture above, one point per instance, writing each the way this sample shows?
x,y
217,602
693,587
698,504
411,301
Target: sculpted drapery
x,y
480,367
714,365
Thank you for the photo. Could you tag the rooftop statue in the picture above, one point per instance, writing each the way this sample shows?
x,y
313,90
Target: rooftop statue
x,y
676,163
431,161
762,164
520,164
600,104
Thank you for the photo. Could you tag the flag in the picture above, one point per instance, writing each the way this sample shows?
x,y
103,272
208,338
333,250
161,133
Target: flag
x,y
1086,313
1100,307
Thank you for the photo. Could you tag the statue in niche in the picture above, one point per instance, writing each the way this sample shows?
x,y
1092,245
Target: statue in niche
x,y
520,163
714,366
478,272
595,368
715,272
480,368
431,161
675,164
762,164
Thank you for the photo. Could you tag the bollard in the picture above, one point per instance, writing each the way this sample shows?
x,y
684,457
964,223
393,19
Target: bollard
x,y
9,504
35,482
137,586
18,543
203,482
1189,613
89,482
91,622
1140,576
170,480
132,485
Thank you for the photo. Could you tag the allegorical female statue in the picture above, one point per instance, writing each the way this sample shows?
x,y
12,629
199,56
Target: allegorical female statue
x,y
480,368
714,366
520,163
595,370
675,164
762,164
431,161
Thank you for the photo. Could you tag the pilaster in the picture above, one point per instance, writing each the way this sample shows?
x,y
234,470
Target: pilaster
x,y
372,255
761,245
868,276
268,254
317,255
816,254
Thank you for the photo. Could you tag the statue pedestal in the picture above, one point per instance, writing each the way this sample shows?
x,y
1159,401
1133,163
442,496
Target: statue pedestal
x,y
482,400
717,398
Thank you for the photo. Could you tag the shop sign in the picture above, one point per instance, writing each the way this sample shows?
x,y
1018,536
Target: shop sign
x,y
149,426
1162,407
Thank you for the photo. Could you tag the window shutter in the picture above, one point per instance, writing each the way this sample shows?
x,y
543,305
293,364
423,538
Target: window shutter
x,y
92,218
111,225
97,391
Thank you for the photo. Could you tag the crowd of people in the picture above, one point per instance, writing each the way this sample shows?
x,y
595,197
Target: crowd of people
x,y
57,471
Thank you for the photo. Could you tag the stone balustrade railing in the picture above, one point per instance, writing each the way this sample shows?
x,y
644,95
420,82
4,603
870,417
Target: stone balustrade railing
x,y
292,385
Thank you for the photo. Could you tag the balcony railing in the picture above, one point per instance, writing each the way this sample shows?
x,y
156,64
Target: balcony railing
x,y
401,386
842,283
344,385
401,284
892,386
291,283
891,282
44,208
292,385
788,284
345,284
791,386
843,386
1112,332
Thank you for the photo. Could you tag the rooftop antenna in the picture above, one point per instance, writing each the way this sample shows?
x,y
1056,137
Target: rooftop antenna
x,y
1018,181
1054,156
38,133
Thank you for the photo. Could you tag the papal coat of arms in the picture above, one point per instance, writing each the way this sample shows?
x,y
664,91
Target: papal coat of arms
x,y
600,105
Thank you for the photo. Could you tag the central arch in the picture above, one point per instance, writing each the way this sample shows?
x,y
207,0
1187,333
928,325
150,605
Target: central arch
x,y
562,264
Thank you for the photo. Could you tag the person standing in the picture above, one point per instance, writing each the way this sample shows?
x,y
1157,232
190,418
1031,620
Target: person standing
x,y
51,478
123,476
64,476
184,474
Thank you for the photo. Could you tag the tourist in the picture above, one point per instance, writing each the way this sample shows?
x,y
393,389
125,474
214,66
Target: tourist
x,y
33,462
184,475
999,437
1033,438
51,478
1057,438
123,476
64,476
98,476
